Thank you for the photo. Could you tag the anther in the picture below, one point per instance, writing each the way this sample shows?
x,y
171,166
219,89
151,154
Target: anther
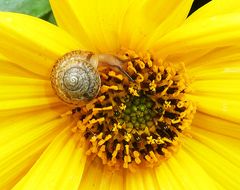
x,y
136,121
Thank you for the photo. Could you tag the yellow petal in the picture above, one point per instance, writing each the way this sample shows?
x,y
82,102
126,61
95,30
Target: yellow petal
x,y
226,146
215,7
225,107
60,166
216,71
21,87
216,125
216,87
218,167
22,140
32,43
145,19
183,172
94,23
142,179
174,17
28,102
166,178
207,33
113,24
21,94
8,68
93,170
111,180
97,176
215,83
34,117
7,113
220,63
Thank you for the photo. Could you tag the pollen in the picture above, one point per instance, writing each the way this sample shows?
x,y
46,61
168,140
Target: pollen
x,y
138,122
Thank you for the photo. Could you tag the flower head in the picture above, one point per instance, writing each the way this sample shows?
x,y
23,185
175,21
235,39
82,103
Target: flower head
x,y
127,78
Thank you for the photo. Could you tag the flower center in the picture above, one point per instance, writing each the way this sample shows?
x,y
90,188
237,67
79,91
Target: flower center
x,y
136,122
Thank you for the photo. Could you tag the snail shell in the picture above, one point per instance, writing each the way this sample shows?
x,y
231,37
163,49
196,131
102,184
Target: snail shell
x,y
75,77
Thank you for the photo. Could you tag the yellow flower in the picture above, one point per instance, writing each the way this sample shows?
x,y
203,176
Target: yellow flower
x,y
41,146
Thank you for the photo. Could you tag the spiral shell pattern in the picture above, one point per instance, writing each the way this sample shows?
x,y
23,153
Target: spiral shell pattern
x,y
74,78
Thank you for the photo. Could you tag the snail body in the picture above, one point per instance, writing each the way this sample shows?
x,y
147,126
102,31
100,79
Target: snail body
x,y
75,77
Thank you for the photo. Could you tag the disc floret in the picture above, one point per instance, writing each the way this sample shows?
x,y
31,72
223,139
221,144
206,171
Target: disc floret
x,y
136,122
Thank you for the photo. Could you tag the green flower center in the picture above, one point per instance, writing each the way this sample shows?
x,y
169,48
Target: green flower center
x,y
138,111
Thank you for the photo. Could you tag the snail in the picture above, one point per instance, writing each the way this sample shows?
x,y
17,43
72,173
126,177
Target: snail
x,y
75,78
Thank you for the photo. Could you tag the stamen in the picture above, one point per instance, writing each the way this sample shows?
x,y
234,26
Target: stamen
x,y
105,88
140,113
103,109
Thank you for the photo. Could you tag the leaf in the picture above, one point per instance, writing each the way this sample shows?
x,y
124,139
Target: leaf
x,y
37,8
49,17
52,19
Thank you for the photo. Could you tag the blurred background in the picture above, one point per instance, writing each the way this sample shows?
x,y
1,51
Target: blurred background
x,y
197,4
42,9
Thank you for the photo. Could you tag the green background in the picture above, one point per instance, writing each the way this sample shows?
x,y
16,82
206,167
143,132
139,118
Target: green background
x,y
37,8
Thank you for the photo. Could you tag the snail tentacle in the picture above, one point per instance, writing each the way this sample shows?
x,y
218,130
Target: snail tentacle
x,y
114,62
